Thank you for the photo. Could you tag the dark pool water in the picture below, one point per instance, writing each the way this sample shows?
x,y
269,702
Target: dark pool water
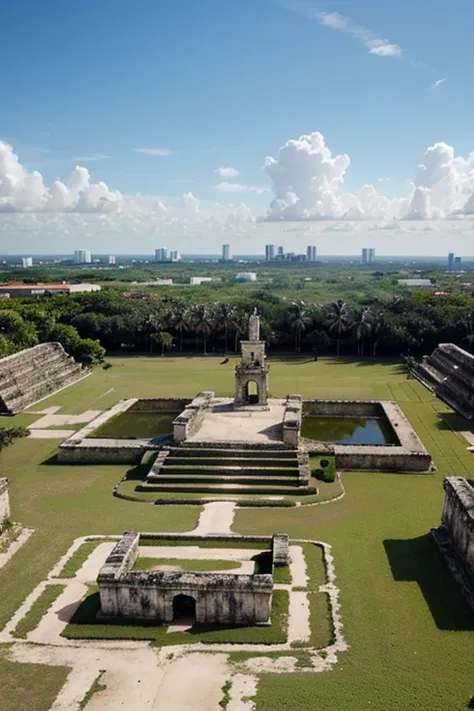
x,y
137,424
348,430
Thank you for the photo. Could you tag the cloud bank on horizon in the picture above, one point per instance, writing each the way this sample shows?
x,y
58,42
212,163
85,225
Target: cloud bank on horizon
x,y
307,182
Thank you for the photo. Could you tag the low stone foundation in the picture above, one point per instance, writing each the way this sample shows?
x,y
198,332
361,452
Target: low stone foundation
x,y
189,421
409,455
217,598
4,503
81,448
455,536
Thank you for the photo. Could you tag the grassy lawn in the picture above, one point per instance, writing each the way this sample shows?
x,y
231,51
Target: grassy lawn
x,y
194,566
83,625
23,682
411,635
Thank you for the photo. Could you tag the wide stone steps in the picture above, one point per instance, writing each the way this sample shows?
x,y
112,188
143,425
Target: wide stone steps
x,y
244,479
192,452
35,373
225,489
235,470
270,462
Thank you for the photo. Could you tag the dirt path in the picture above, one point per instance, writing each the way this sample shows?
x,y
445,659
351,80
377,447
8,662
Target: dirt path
x,y
217,517
204,675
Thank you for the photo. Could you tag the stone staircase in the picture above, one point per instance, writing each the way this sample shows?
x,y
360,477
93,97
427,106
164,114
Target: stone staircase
x,y
449,373
35,373
184,470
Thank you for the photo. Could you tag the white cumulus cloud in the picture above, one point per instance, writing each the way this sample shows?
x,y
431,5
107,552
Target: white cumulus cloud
x,y
228,172
307,181
226,187
23,191
160,152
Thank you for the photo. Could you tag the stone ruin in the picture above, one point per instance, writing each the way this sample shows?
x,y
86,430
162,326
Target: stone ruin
x,y
4,503
449,373
35,373
455,535
212,598
251,374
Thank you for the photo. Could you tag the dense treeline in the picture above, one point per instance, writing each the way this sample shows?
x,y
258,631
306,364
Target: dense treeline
x,y
88,325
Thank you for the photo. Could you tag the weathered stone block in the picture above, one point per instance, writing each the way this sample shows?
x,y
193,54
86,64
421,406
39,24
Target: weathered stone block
x,y
4,503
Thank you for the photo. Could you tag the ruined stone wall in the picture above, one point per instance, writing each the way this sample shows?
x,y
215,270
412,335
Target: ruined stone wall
x,y
189,421
292,421
458,520
35,373
4,503
384,459
449,373
220,598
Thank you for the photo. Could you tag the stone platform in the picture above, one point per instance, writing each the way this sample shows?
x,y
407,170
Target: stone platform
x,y
221,422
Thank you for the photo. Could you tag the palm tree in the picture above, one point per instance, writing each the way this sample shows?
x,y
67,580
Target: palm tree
x,y
202,324
239,324
224,316
337,319
378,325
298,320
180,322
362,327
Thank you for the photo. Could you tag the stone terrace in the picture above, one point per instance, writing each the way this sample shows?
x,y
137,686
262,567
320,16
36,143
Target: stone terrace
x,y
35,373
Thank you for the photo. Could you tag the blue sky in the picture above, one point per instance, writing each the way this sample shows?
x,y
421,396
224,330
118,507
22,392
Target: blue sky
x,y
209,84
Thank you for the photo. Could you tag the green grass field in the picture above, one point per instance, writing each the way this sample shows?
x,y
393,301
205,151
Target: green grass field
x,y
411,635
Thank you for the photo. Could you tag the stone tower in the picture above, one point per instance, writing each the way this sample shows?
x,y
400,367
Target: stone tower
x,y
251,374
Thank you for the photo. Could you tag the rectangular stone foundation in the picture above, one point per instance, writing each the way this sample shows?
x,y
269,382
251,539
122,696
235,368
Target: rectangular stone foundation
x,y
219,598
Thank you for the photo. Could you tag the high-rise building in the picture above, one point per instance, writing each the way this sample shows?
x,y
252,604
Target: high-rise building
x,y
269,252
26,262
175,256
457,262
311,253
111,259
226,252
162,255
450,260
82,256
280,252
368,255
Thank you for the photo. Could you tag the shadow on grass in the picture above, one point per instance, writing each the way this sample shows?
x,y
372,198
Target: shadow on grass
x,y
139,472
418,560
453,421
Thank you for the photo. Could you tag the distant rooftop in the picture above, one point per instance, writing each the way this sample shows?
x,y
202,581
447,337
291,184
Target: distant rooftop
x,y
415,282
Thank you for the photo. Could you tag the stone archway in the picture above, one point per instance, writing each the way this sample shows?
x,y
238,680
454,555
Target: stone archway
x,y
184,607
251,392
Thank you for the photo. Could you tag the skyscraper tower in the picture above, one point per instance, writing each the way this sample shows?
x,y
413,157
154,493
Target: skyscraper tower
x,y
311,253
269,252
226,252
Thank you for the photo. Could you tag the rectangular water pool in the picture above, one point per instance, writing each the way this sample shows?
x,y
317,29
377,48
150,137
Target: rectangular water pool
x,y
349,430
137,424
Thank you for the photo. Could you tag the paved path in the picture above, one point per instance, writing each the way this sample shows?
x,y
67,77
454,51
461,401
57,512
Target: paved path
x,y
217,517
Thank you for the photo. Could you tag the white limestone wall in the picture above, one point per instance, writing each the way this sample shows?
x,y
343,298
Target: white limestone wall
x,y
4,503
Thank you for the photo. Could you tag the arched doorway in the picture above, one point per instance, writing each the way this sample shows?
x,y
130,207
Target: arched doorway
x,y
184,607
251,392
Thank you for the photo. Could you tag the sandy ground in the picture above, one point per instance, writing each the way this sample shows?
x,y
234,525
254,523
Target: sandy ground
x,y
222,422
298,622
49,434
216,517
50,419
298,567
136,679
